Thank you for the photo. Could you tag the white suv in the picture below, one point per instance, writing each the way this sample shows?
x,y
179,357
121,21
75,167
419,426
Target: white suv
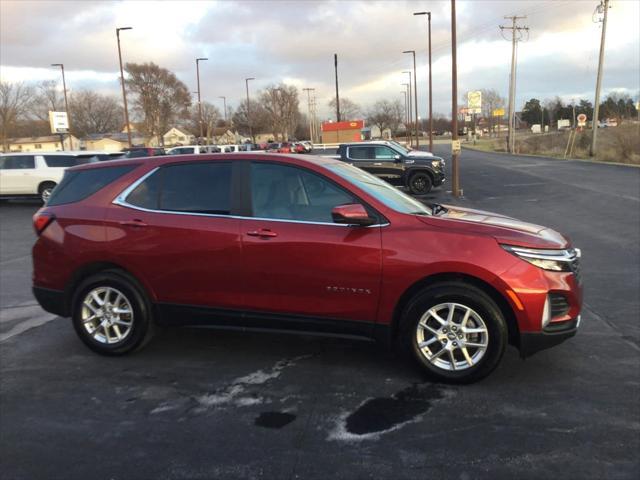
x,y
28,174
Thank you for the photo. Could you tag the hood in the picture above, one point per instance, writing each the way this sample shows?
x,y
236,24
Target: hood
x,y
419,153
504,229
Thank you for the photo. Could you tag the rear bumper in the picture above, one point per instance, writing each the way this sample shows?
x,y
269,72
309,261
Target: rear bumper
x,y
53,301
531,343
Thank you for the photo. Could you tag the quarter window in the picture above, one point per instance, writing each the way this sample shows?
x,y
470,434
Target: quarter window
x,y
290,193
361,153
17,162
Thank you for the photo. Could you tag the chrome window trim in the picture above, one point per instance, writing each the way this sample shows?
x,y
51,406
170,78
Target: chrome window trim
x,y
121,200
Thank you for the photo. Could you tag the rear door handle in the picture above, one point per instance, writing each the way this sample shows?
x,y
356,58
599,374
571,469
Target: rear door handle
x,y
133,223
262,233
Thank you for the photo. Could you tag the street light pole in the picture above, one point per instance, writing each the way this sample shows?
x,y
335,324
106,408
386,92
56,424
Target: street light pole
x,y
246,81
430,84
404,92
596,107
410,104
224,105
198,60
415,93
66,103
407,94
124,93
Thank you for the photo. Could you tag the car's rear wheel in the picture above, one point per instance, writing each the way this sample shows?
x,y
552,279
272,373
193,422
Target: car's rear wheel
x,y
44,190
455,332
420,183
111,314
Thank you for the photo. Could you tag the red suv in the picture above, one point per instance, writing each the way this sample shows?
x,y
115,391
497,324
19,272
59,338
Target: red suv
x,y
297,243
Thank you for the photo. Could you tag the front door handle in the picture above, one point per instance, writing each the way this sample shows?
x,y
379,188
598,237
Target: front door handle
x,y
377,164
262,233
133,223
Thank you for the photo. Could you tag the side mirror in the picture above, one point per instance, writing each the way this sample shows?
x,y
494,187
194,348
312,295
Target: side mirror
x,y
351,214
397,158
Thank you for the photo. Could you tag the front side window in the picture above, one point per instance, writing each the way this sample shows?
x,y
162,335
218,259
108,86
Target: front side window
x,y
17,162
191,187
63,161
384,153
290,193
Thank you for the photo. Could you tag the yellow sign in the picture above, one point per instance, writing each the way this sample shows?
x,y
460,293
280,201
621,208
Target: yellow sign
x,y
498,112
474,100
455,146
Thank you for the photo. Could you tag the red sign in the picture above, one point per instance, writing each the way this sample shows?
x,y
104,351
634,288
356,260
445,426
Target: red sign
x,y
335,126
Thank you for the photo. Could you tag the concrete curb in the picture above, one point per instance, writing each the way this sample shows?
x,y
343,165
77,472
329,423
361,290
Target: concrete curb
x,y
553,158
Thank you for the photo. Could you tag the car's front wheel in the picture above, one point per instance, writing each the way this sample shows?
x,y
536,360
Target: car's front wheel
x,y
111,314
420,183
455,331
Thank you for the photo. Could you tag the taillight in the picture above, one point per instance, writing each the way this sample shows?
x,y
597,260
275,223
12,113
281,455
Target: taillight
x,y
41,220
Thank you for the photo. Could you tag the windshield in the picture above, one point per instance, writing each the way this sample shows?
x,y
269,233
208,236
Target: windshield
x,y
380,190
404,150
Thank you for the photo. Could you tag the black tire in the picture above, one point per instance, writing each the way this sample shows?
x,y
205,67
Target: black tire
x,y
45,189
420,183
467,295
142,328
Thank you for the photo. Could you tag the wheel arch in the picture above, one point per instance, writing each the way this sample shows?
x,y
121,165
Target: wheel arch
x,y
490,290
42,183
92,268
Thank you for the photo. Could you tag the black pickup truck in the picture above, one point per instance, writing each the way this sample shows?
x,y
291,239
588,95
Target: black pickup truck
x,y
416,170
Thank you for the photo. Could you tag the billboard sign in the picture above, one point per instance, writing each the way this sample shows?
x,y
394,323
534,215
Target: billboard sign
x,y
59,122
498,112
474,101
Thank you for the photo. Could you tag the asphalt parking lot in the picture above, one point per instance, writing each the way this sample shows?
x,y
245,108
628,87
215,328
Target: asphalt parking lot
x,y
201,404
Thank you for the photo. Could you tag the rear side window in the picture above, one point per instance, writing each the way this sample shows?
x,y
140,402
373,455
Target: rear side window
x,y
361,153
191,187
66,160
77,185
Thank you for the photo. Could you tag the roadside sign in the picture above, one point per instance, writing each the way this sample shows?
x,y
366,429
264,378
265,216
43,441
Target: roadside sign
x,y
498,112
455,146
467,118
474,100
582,120
59,122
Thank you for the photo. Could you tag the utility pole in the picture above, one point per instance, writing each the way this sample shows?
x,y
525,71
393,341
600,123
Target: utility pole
x,y
224,105
596,108
124,93
406,112
66,104
335,63
516,36
430,85
198,60
455,152
311,126
415,94
246,82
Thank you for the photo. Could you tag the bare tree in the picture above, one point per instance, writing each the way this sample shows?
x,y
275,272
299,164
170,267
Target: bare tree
x,y
48,98
210,118
491,100
94,113
160,97
15,101
282,107
258,118
386,115
349,110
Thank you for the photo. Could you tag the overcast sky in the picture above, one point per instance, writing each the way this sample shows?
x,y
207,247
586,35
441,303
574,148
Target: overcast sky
x,y
294,42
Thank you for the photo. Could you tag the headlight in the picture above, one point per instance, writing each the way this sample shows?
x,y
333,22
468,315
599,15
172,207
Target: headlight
x,y
436,163
554,260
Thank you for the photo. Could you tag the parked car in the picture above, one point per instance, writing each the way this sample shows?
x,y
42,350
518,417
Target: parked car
x,y
298,148
298,243
136,152
415,170
308,146
36,175
273,147
193,149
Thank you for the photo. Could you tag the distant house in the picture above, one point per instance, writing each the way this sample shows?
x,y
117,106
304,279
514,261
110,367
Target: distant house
x,y
177,136
48,143
112,142
224,136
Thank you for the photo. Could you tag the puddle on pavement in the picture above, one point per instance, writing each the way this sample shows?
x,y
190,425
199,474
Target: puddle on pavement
x,y
381,414
274,419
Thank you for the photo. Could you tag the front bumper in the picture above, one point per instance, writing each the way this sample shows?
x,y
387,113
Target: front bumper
x,y
553,335
438,179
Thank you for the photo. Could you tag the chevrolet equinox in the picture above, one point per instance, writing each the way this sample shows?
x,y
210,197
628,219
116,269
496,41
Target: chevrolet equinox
x,y
297,243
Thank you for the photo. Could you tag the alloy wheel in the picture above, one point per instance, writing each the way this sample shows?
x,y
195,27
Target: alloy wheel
x,y
452,336
107,315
